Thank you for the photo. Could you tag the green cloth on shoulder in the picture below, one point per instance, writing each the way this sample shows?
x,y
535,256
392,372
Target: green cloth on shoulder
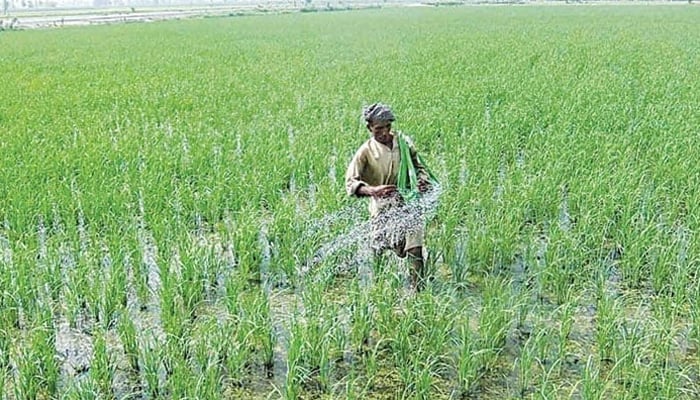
x,y
407,180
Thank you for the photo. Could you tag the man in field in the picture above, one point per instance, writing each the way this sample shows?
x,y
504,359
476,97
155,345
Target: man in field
x,y
373,173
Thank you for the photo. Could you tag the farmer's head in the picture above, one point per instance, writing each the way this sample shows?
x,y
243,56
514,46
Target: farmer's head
x,y
379,118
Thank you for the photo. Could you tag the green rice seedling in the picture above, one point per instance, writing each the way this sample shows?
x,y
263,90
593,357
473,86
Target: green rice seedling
x,y
200,375
524,304
663,336
566,312
268,341
670,382
85,389
628,349
173,317
216,257
26,383
289,248
9,300
547,382
592,385
25,295
51,273
113,298
639,242
352,386
403,350
176,351
321,334
129,339
526,361
234,285
176,319
694,316
237,352
681,275
5,346
662,259
439,309
494,319
331,352
102,366
182,382
325,367
264,334
137,294
91,293
246,245
295,369
451,246
686,383
417,378
45,345
151,370
3,379
424,377
402,344
72,303
37,367
606,323
370,361
384,298
406,376
208,342
467,359
144,267
633,368
361,317
650,382
560,269
547,348
338,341
193,267
9,319
209,385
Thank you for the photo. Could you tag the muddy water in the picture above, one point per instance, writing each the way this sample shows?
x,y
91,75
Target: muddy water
x,y
74,345
74,348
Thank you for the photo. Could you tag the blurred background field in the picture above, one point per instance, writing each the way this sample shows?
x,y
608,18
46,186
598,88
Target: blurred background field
x,y
163,184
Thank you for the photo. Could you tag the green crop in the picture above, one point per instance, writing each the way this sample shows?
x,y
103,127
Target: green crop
x,y
172,193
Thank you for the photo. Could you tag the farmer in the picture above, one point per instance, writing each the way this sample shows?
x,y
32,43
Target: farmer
x,y
373,173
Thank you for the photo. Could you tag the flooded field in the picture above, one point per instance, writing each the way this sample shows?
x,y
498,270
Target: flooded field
x,y
59,18
174,223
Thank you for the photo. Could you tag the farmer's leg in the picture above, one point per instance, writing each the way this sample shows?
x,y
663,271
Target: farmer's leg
x,y
414,251
415,255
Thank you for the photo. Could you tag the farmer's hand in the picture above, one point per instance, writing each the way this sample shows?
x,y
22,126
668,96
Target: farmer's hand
x,y
384,191
424,185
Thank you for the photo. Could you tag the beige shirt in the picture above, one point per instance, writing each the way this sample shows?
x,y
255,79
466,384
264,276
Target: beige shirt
x,y
375,164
